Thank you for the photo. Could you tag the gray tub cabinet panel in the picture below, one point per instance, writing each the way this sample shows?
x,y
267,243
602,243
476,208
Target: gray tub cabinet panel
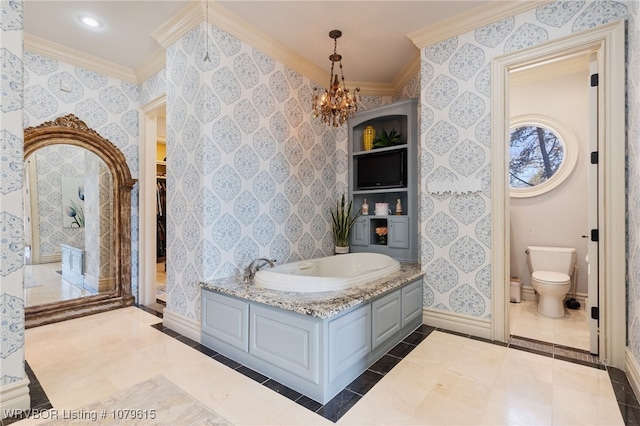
x,y
226,319
287,342
411,303
315,356
349,342
386,317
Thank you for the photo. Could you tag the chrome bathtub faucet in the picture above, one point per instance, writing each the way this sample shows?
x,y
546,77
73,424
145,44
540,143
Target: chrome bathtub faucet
x,y
254,266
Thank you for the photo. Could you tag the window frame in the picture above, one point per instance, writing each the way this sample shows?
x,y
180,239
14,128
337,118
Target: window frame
x,y
570,146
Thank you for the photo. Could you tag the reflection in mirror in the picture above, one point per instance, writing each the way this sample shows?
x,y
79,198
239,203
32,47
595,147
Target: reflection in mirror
x,y
78,207
67,207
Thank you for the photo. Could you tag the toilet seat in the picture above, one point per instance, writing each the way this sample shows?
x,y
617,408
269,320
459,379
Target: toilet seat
x,y
551,278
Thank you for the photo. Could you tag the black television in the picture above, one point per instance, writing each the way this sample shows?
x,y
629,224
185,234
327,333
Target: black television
x,y
380,170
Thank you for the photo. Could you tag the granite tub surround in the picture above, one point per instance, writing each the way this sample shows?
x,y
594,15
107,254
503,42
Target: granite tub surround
x,y
317,304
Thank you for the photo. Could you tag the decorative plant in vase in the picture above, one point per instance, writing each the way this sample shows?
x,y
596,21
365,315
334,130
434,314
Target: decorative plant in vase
x,y
342,221
387,139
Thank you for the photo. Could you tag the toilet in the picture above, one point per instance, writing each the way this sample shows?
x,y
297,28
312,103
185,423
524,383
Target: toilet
x,y
551,269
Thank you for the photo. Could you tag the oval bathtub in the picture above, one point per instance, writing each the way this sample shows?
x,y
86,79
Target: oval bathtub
x,y
327,273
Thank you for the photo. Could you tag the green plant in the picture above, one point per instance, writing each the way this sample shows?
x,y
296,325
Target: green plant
x,y
387,139
343,221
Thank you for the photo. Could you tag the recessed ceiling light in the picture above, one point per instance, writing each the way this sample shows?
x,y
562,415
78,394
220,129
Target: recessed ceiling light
x,y
90,21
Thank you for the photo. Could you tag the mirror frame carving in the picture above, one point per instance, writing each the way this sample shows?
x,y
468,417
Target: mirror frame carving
x,y
70,130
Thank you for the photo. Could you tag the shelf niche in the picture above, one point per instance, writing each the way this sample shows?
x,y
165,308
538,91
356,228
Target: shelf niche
x,y
402,240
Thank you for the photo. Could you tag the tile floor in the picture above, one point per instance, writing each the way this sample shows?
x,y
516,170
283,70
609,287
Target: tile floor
x,y
572,330
44,284
444,378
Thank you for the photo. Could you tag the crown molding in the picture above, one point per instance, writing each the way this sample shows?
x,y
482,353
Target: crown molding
x,y
195,12
152,65
75,57
233,24
408,72
181,23
371,89
468,21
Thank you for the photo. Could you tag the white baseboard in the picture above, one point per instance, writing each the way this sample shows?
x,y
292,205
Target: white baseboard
x,y
14,397
479,327
632,368
181,324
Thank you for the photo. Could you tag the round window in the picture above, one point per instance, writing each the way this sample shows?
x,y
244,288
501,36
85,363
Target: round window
x,y
543,153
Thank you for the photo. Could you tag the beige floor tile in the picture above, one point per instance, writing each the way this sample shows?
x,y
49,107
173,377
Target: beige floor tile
x,y
585,379
527,364
478,360
572,330
510,413
447,379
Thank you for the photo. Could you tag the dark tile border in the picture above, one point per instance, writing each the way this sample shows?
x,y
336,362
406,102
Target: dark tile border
x,y
564,353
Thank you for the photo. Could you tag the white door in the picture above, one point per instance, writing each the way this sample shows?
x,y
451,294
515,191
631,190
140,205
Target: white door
x,y
592,219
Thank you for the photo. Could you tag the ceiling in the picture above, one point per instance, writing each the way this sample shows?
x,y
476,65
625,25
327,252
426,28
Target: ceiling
x,y
374,44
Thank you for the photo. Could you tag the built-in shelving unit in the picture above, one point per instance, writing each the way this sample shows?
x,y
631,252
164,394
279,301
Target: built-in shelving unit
x,y
401,241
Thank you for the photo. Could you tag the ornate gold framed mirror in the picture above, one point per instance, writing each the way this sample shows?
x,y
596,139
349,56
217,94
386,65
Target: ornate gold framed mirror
x,y
98,262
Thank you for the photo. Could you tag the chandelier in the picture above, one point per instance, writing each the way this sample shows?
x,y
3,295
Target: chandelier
x,y
336,105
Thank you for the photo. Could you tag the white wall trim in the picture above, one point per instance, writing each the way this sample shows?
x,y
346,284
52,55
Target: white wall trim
x,y
188,17
468,21
70,56
455,322
148,119
195,13
632,369
15,396
181,324
608,41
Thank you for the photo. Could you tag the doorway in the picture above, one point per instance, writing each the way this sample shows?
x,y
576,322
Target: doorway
x,y
607,42
152,269
549,195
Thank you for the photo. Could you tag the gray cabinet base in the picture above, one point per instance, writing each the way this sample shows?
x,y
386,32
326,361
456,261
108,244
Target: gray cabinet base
x,y
314,356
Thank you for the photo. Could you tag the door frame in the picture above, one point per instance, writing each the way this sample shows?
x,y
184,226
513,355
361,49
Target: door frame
x,y
148,119
608,40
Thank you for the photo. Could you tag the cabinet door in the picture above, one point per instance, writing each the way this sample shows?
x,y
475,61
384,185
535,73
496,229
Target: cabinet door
x,y
226,319
386,317
286,341
360,232
398,234
349,341
411,302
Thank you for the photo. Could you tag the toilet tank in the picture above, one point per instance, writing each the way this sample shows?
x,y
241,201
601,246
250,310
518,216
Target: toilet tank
x,y
555,259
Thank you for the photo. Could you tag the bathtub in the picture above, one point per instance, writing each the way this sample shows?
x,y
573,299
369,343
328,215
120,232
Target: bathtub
x,y
327,273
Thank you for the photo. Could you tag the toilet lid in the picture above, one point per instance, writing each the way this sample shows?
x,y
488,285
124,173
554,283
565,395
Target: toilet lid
x,y
550,277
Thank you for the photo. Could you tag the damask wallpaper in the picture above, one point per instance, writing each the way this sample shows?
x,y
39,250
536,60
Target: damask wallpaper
x,y
456,143
12,372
